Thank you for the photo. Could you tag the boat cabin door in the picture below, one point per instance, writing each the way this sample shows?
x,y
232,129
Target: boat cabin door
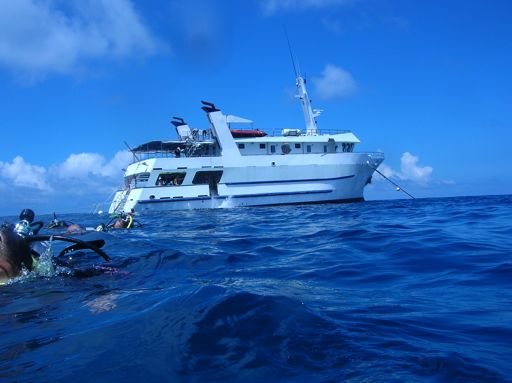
x,y
213,182
210,178
213,187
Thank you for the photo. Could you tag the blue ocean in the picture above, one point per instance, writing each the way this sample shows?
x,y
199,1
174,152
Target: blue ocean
x,y
380,291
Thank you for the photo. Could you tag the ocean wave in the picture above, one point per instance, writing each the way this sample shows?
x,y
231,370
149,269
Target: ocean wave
x,y
380,291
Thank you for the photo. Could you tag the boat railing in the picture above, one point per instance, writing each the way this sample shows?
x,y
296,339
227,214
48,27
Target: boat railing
x,y
139,156
153,154
302,133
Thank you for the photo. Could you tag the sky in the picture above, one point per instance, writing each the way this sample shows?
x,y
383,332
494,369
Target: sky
x,y
427,82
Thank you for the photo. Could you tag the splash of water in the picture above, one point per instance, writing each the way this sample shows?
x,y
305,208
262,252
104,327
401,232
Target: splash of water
x,y
227,203
44,266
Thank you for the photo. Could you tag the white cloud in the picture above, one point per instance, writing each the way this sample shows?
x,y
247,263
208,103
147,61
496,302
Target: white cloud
x,y
21,174
78,171
114,167
273,6
41,37
90,166
409,170
335,82
80,166
78,183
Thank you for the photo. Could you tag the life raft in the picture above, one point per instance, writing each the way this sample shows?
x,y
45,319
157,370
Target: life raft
x,y
247,133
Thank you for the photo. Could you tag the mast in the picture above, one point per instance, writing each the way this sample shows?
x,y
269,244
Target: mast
x,y
300,82
309,114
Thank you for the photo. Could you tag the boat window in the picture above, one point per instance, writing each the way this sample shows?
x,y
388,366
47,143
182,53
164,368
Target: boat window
x,y
263,146
308,148
325,148
142,177
241,146
134,180
170,179
272,148
205,177
285,148
297,146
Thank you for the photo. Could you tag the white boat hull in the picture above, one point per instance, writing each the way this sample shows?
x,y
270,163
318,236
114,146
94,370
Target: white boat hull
x,y
330,181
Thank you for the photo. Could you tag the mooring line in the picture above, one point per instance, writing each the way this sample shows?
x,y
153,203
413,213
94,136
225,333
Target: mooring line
x,y
398,187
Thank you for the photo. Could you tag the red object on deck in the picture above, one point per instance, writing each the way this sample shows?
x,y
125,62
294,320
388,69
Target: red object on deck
x,y
247,133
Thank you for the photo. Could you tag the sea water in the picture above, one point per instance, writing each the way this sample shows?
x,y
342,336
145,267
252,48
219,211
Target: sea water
x,y
404,290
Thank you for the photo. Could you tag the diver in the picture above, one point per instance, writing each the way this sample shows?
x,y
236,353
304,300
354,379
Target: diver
x,y
17,254
70,227
121,221
124,222
75,228
57,223
26,225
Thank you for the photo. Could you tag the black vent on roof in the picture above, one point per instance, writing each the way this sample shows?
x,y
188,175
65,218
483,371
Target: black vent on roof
x,y
179,121
209,107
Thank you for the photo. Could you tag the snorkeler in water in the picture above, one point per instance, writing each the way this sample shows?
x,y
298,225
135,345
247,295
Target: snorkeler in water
x,y
57,223
26,225
17,254
121,221
68,227
125,221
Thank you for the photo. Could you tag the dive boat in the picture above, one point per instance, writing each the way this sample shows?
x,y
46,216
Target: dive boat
x,y
215,167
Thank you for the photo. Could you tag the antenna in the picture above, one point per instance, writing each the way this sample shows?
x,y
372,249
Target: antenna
x,y
300,82
291,52
131,150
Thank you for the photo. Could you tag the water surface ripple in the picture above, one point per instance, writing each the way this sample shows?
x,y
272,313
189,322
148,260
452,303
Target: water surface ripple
x,y
377,291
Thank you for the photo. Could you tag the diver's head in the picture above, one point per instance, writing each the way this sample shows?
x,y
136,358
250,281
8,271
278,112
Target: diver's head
x,y
75,229
14,253
27,215
23,228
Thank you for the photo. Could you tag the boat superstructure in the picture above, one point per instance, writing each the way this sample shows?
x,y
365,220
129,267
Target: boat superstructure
x,y
224,167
